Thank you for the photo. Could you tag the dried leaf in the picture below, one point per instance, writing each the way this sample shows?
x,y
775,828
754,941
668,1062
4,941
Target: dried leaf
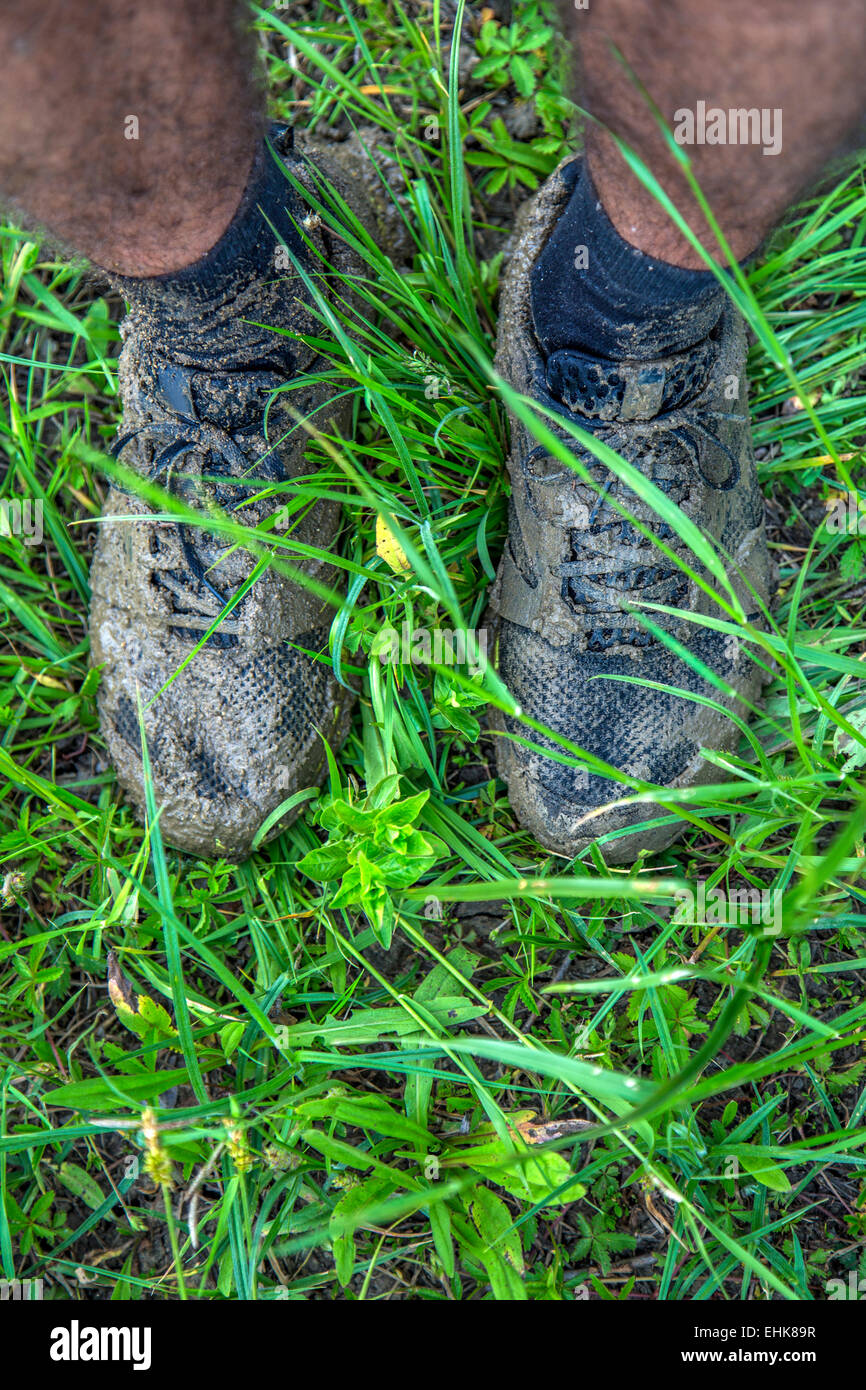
x,y
388,548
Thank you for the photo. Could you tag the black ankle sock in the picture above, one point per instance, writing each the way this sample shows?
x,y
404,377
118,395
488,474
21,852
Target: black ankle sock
x,y
197,313
592,291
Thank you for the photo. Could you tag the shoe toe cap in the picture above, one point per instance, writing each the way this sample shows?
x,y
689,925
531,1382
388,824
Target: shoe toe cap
x,y
230,736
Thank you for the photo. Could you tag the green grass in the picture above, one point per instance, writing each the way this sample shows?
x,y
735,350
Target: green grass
x,y
567,1090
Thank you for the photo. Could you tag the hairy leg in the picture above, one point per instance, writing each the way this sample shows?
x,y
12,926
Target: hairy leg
x,y
805,60
127,130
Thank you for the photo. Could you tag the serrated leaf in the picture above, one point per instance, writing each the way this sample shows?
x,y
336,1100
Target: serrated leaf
x,y
537,39
522,76
493,63
853,562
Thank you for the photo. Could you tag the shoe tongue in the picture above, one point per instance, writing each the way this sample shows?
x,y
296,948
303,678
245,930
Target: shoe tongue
x,y
606,390
173,383
629,391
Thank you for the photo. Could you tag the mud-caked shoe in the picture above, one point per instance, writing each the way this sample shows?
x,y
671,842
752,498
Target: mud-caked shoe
x,y
574,567
239,728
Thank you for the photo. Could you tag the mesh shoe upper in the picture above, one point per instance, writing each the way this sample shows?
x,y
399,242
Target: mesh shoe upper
x,y
235,730
574,566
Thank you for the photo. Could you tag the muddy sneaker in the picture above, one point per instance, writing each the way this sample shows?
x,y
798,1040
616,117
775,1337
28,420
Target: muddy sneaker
x,y
238,728
573,565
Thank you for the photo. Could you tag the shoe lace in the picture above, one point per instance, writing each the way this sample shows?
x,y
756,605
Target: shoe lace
x,y
184,433
627,566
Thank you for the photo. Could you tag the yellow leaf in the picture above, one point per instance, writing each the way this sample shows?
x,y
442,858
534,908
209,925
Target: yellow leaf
x,y
388,548
42,679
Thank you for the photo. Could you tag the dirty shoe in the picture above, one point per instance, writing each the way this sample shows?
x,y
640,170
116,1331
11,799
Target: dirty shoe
x,y
573,565
238,728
